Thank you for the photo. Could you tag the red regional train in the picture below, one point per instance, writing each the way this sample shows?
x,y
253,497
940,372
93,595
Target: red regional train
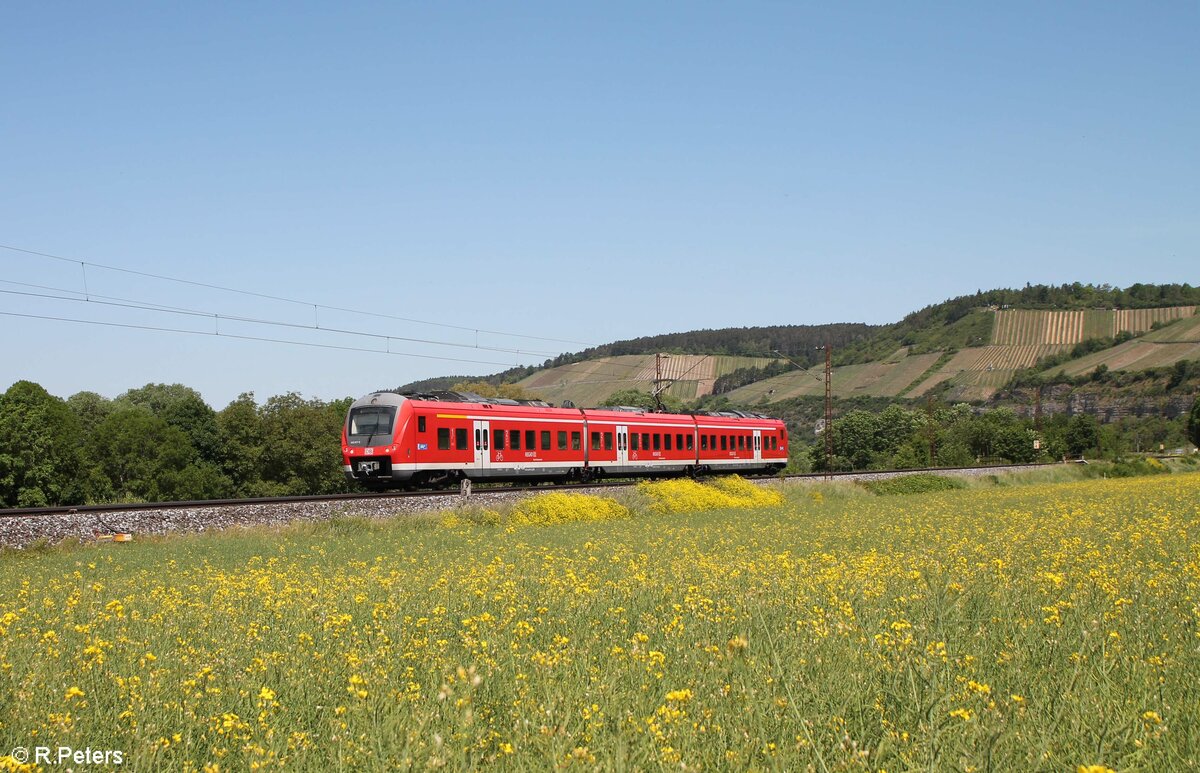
x,y
393,440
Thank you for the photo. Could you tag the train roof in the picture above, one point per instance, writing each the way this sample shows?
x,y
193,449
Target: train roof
x,y
392,397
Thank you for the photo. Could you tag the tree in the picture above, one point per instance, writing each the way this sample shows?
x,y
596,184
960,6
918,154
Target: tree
x,y
854,437
183,408
636,398
486,389
1083,434
302,445
40,449
90,408
134,453
243,445
1193,423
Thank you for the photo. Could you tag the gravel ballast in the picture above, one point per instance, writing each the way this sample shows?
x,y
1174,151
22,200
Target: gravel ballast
x,y
24,531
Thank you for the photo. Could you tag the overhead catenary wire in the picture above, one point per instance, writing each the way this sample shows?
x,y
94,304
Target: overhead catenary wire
x,y
142,305
115,301
130,303
217,334
282,299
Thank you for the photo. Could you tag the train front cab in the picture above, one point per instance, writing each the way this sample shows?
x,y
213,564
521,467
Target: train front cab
x,y
372,440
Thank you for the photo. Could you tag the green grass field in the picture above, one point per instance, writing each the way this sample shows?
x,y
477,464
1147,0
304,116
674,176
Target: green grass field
x,y
1027,627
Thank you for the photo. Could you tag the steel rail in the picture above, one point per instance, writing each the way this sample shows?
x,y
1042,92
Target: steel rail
x,y
123,507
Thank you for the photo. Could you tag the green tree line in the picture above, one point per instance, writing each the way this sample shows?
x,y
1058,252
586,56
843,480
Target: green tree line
x,y
163,442
952,436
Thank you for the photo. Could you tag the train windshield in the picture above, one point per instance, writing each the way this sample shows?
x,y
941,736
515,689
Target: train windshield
x,y
371,420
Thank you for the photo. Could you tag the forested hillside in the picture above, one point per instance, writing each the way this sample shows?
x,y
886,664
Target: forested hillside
x,y
959,323
797,341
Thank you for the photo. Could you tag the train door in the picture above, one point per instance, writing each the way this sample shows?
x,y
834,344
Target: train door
x,y
758,445
622,446
483,455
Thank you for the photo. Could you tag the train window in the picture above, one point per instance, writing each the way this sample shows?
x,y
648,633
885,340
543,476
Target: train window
x,y
691,443
514,439
704,442
667,442
679,442
595,441
444,438
712,442
371,420
562,440
741,442
420,424
723,441
657,442
646,441
545,440
460,439
498,439
530,439
634,446
607,441
576,441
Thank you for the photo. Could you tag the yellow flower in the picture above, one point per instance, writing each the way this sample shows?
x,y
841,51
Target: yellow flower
x,y
73,692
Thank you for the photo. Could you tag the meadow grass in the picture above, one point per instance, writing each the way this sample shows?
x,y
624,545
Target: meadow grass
x,y
1045,626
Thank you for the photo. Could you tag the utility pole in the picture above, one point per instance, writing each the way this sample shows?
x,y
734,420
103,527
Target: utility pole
x,y
828,411
827,431
1037,418
929,425
659,381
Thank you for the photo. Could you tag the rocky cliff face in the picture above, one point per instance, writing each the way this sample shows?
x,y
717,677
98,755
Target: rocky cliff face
x,y
1106,404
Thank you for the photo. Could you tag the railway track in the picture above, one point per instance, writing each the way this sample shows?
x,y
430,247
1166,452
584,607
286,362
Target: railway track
x,y
477,490
27,528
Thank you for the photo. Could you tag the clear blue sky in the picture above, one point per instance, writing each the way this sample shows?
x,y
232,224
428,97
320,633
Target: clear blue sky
x,y
579,171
